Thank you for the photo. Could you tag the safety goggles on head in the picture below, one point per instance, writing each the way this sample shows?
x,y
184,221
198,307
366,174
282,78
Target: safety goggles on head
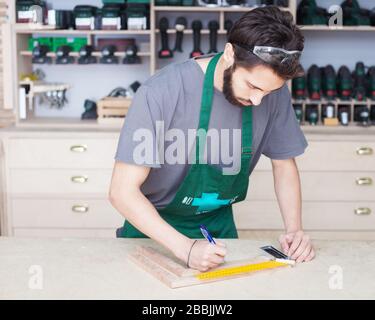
x,y
274,55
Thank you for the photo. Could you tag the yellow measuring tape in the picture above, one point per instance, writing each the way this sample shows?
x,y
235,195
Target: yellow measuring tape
x,y
233,271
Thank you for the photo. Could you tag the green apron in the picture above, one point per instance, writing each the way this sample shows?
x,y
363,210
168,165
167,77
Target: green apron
x,y
206,195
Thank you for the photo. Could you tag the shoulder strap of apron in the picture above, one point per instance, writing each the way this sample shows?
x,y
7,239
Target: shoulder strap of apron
x,y
205,113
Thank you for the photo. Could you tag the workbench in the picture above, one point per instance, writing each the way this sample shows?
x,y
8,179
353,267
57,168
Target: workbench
x,y
100,269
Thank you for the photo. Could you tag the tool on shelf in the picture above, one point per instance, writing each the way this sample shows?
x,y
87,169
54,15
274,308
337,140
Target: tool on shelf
x,y
131,56
90,110
164,52
53,94
308,13
108,55
354,15
359,79
63,55
213,26
138,12
344,84
228,24
61,19
180,26
329,82
39,55
314,82
85,17
85,55
299,88
197,27
371,83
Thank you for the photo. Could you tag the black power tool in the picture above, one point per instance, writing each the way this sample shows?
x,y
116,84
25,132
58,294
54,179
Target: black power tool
x,y
85,55
213,26
164,52
197,27
181,24
39,55
228,24
63,55
108,55
131,56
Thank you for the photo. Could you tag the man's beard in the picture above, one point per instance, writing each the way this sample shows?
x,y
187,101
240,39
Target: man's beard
x,y
228,87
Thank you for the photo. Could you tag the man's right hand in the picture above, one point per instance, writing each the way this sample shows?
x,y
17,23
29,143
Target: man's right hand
x,y
205,255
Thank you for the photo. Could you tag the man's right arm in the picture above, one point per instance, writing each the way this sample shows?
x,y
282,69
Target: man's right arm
x,y
126,196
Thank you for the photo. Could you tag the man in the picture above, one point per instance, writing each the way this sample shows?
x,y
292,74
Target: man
x,y
235,103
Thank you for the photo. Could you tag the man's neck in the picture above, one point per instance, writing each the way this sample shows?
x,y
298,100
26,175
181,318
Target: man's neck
x,y
219,71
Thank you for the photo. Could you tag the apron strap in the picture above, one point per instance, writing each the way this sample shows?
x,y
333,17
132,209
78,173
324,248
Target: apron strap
x,y
247,139
204,119
206,106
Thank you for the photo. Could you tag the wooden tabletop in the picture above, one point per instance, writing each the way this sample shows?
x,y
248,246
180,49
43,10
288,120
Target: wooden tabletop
x,y
100,269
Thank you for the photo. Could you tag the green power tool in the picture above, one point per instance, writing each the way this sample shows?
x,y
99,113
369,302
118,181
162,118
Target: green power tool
x,y
308,13
314,83
329,82
344,83
359,79
299,88
371,83
354,15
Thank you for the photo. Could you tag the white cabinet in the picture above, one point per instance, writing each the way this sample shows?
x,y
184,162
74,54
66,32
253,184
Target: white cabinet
x,y
56,183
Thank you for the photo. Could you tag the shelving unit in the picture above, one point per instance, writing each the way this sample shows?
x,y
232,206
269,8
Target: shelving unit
x,y
21,32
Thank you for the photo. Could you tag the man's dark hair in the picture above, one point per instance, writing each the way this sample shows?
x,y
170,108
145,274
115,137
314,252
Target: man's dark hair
x,y
267,26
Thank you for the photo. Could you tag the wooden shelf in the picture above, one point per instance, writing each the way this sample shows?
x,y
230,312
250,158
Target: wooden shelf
x,y
25,30
344,28
76,54
207,9
335,101
190,31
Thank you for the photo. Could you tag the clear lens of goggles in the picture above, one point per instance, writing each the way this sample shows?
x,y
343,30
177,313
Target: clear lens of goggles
x,y
276,55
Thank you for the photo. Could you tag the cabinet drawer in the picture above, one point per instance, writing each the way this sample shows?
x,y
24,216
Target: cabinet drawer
x,y
62,153
315,215
65,213
338,156
36,181
318,186
331,156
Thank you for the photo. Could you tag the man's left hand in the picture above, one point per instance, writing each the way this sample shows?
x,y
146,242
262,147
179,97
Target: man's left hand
x,y
297,246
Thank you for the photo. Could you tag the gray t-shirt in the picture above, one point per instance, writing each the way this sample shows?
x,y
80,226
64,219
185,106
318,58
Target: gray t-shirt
x,y
173,95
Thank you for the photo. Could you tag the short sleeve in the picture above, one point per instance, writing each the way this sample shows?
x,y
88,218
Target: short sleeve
x,y
138,138
286,139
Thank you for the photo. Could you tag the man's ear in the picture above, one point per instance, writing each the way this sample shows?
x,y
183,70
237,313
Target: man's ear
x,y
228,55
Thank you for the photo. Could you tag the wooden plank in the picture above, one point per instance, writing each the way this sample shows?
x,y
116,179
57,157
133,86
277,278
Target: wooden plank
x,y
165,269
161,274
165,262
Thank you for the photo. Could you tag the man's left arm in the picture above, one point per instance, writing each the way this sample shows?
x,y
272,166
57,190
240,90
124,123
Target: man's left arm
x,y
295,243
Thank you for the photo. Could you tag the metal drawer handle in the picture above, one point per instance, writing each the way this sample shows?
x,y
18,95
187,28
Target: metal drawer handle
x,y
365,151
79,208
364,181
79,148
362,211
79,179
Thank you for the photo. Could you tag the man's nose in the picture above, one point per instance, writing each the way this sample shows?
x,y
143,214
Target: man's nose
x,y
256,98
